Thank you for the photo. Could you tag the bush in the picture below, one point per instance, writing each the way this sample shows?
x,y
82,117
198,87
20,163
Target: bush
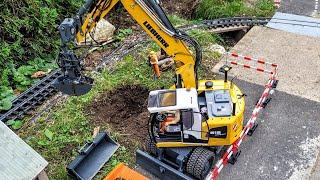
x,y
29,38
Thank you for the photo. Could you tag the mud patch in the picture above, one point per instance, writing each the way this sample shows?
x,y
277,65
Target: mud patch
x,y
124,110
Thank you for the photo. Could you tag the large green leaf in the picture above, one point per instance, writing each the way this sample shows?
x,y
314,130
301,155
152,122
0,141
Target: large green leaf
x,y
5,104
17,125
10,122
48,134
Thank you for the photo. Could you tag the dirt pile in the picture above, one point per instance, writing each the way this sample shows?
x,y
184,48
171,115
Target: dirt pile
x,y
124,110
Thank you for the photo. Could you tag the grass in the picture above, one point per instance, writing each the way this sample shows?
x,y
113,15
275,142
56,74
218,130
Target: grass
x,y
178,21
211,9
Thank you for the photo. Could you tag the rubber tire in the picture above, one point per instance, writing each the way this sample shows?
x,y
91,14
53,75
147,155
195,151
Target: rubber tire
x,y
150,147
200,162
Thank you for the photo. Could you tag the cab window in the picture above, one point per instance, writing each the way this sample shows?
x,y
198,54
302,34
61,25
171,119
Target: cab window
x,y
167,99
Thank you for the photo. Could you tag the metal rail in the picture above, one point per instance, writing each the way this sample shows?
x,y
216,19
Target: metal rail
x,y
231,24
41,91
32,97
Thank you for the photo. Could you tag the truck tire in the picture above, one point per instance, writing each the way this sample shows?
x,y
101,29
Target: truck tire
x,y
200,162
150,147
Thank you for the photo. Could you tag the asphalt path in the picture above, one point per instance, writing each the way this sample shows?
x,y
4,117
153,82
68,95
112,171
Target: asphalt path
x,y
298,7
284,146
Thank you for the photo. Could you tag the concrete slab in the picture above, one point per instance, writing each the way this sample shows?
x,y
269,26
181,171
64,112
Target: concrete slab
x,y
302,25
298,58
286,143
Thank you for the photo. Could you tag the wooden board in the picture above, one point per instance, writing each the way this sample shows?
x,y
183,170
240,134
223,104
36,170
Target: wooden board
x,y
18,160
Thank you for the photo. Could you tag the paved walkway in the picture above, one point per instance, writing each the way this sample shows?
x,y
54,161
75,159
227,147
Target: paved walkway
x,y
298,58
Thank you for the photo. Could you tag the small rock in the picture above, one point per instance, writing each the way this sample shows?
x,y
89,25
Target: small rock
x,y
38,74
103,32
217,48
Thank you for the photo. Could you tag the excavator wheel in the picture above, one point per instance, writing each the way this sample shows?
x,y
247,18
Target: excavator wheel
x,y
200,162
150,147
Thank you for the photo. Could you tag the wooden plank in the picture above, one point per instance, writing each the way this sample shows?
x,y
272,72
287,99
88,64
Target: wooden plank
x,y
18,160
228,29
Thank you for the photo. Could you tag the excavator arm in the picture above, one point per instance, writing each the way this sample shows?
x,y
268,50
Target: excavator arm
x,y
150,16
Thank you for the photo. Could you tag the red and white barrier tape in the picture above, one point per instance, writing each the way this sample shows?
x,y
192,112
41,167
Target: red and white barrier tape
x,y
260,61
233,149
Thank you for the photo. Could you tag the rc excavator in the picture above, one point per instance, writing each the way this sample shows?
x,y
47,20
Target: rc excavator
x,y
190,122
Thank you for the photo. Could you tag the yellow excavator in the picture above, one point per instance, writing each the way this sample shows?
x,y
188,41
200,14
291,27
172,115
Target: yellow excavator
x,y
190,122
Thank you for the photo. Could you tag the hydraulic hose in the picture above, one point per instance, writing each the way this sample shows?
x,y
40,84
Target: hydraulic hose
x,y
186,38
160,13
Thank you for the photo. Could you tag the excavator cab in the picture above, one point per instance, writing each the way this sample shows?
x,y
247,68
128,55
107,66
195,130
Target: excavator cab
x,y
175,115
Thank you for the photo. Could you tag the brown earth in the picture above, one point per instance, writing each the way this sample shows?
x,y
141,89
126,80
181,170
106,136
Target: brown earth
x,y
124,110
184,8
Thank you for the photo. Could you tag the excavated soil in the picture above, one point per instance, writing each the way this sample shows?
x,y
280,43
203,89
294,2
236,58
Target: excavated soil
x,y
184,8
124,110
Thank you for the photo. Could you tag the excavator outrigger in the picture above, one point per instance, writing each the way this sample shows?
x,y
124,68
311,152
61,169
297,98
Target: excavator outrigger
x,y
191,122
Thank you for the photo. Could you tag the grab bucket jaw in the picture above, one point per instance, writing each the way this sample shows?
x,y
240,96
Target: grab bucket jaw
x,y
73,87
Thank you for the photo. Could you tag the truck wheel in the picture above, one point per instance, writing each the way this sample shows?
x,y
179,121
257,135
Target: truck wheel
x,y
200,162
151,147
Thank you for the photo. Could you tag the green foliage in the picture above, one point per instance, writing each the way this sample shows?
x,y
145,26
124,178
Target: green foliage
x,y
6,96
15,124
204,37
29,37
177,21
48,134
264,8
211,9
123,33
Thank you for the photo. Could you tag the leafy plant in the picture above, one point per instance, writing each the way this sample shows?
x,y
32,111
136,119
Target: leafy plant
x,y
6,96
123,33
15,124
29,39
48,134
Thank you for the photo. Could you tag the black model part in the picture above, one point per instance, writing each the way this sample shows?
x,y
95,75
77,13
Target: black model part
x,y
160,168
92,157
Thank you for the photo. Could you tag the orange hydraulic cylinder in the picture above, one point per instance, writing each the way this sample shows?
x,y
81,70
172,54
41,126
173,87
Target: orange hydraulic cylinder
x,y
153,58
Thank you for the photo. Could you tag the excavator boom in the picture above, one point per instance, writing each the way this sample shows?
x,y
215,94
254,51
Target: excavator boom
x,y
150,16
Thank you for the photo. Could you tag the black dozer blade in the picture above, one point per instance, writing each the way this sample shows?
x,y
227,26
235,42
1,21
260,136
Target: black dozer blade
x,y
73,87
92,157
